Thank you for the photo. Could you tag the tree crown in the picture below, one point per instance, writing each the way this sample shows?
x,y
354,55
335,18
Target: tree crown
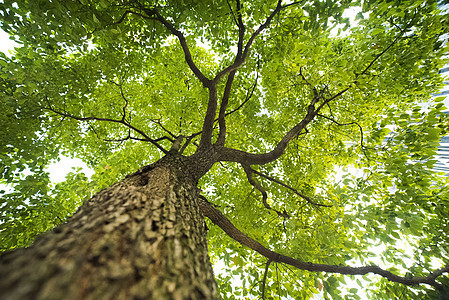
x,y
279,95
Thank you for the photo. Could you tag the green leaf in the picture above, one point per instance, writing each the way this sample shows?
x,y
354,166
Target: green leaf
x,y
357,177
95,19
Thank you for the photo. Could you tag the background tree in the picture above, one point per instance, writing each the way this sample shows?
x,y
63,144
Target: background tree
x,y
247,111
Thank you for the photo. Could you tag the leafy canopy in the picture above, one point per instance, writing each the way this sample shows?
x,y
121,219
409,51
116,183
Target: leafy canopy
x,y
110,82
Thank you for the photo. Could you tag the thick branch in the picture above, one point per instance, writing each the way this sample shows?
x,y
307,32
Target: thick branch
x,y
220,220
222,134
249,94
209,119
240,58
221,115
227,91
228,154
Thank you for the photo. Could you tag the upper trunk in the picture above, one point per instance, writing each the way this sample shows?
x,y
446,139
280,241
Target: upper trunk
x,y
142,238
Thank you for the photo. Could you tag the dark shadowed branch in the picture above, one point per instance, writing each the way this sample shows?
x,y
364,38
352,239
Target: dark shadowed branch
x,y
209,118
227,91
154,14
290,188
228,154
121,121
365,70
242,53
249,174
221,221
246,49
224,103
249,94
264,280
346,124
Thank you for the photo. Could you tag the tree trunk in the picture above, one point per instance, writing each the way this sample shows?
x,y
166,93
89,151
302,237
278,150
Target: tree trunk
x,y
142,238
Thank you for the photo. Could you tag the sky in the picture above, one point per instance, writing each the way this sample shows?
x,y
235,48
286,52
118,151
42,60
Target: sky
x,y
6,44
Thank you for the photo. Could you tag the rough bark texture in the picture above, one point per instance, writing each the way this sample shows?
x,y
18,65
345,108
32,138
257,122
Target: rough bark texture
x,y
142,238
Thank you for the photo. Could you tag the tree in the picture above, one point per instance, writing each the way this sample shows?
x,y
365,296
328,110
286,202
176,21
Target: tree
x,y
239,111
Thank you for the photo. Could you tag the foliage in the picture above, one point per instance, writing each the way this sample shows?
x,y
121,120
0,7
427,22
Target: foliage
x,y
100,81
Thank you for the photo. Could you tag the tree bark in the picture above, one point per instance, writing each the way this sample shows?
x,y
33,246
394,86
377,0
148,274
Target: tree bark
x,y
142,238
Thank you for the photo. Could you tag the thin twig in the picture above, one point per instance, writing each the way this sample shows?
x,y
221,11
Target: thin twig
x,y
247,98
290,188
158,122
93,118
369,65
248,170
247,47
346,124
